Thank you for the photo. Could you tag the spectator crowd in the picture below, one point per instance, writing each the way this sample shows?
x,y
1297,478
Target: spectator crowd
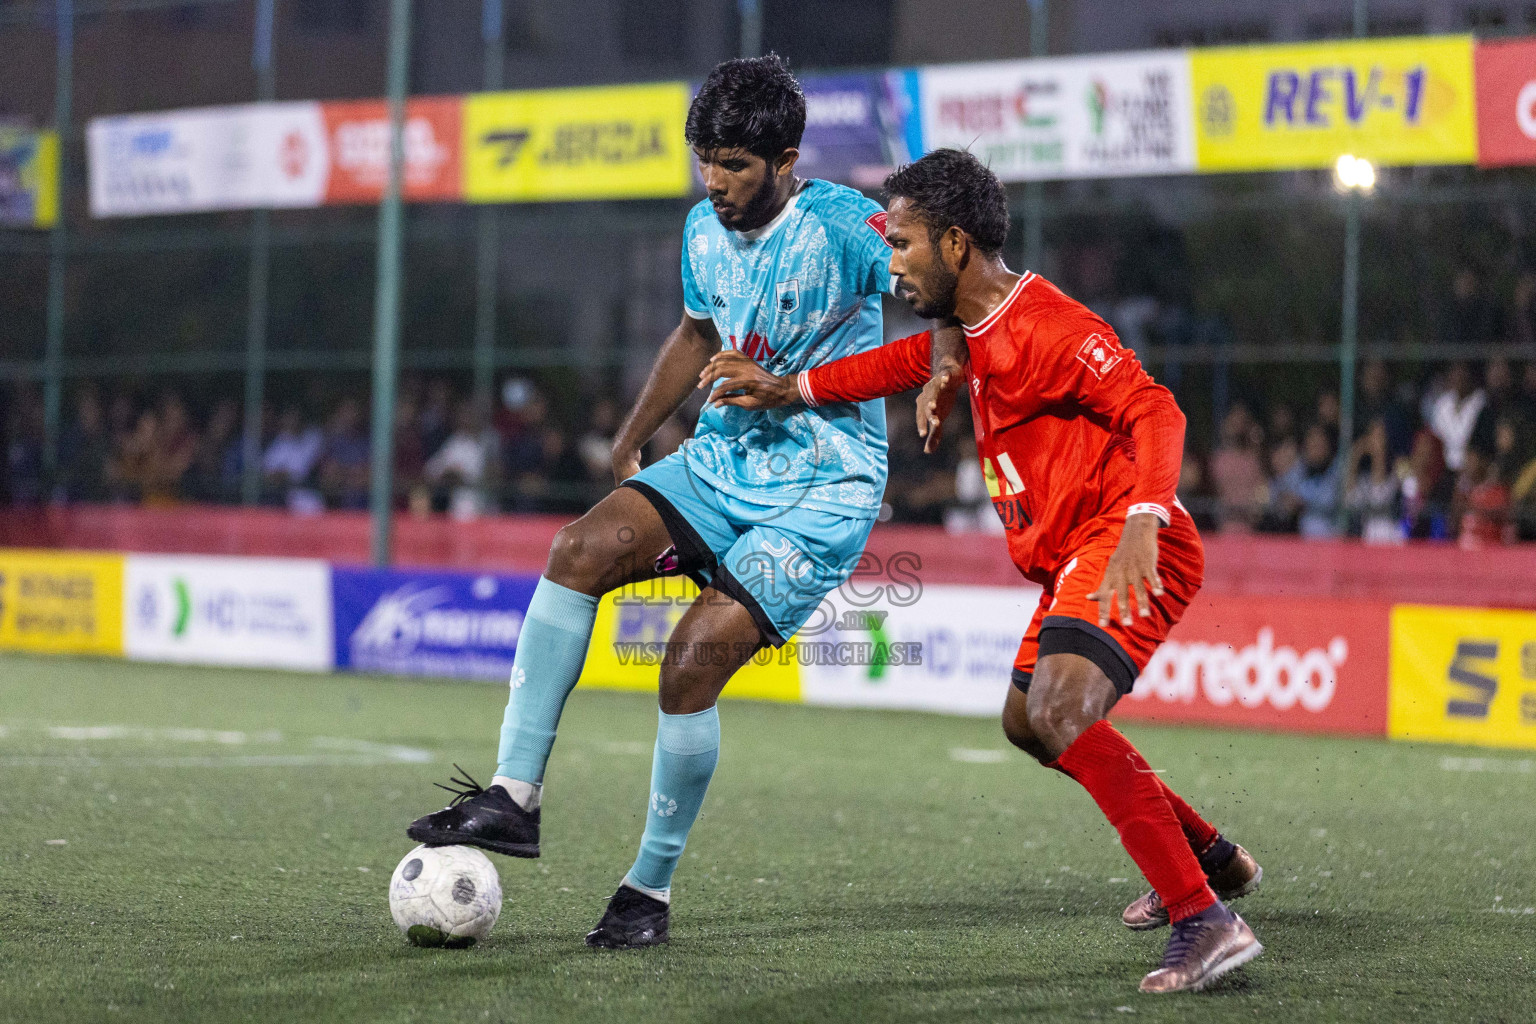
x,y
1449,454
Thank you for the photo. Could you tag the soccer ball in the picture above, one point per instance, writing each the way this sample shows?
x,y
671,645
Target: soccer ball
x,y
448,896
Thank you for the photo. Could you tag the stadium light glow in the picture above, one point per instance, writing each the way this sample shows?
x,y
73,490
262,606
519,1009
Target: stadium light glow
x,y
1354,174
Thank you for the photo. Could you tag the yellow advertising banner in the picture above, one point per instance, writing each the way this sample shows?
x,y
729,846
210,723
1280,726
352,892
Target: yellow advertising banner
x,y
29,178
630,639
611,142
1463,675
1392,101
61,602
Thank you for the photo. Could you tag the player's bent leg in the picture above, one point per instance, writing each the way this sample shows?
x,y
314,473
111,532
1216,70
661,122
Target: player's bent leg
x,y
713,639
613,544
1069,696
1017,729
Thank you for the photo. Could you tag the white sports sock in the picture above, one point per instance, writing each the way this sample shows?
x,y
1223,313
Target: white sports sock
x,y
528,795
665,895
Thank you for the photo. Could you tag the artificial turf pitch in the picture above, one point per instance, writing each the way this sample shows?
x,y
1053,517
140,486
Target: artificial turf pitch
x,y
186,844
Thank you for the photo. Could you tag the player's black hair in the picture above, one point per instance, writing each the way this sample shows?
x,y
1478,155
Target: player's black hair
x,y
752,103
951,188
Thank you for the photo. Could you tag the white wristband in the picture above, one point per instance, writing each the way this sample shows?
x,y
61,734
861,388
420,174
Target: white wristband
x,y
803,382
1149,507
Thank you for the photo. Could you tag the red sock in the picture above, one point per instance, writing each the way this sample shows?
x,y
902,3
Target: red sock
x,y
1132,797
1200,833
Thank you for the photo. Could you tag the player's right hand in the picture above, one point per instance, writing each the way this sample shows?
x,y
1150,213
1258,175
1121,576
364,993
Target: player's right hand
x,y
625,465
746,384
934,405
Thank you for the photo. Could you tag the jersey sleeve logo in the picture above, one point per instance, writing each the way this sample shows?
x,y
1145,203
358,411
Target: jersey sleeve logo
x,y
1100,354
876,221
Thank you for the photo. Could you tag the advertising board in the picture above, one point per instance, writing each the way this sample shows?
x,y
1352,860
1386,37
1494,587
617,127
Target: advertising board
x,y
357,134
1506,102
210,158
1076,117
1463,675
607,142
29,178
428,622
630,637
1393,101
61,602
856,127
1271,663
206,610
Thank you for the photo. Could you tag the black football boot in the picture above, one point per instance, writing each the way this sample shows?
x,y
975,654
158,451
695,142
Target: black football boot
x,y
487,818
632,919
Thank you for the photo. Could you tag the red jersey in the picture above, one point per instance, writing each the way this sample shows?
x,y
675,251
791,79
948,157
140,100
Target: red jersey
x,y
1070,430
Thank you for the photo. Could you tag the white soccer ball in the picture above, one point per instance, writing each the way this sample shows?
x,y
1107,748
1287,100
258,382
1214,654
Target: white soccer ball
x,y
445,896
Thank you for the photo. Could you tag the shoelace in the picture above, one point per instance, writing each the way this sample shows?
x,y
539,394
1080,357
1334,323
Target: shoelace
x,y
1184,937
462,789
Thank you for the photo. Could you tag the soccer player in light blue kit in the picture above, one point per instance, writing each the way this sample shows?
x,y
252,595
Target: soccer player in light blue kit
x,y
767,510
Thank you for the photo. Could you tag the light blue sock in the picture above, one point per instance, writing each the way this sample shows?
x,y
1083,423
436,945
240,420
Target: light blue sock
x,y
687,749
550,652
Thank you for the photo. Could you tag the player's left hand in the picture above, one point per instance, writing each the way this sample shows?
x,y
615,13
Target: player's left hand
x,y
746,383
1131,569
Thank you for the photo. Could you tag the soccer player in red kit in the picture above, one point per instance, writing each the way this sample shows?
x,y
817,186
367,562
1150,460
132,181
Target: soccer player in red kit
x,y
1080,450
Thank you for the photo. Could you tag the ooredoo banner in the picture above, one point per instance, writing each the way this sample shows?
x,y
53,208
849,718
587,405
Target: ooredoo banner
x,y
429,623
1270,663
358,135
1078,117
256,612
212,158
1506,102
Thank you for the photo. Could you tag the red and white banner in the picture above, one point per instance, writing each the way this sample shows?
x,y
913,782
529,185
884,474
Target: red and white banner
x,y
358,134
1271,663
270,155
1506,102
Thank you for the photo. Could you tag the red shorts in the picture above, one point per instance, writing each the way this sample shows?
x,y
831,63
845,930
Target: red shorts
x,y
1064,603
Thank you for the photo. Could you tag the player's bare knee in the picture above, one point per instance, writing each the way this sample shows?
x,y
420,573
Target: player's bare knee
x,y
1055,715
579,561
689,684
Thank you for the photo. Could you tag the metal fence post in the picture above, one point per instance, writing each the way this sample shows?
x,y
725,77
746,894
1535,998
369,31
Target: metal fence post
x,y
751,41
257,292
58,237
1034,191
488,226
386,306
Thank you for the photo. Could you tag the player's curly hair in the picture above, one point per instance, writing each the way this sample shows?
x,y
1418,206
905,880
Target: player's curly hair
x,y
752,103
951,188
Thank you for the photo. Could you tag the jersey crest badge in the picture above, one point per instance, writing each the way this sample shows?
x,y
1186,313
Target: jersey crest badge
x,y
1099,354
788,295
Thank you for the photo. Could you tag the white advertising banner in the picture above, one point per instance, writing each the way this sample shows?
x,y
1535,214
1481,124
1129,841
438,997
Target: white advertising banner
x,y
949,648
211,158
1074,117
257,612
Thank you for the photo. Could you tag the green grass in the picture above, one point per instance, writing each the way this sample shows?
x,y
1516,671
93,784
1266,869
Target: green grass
x,y
847,866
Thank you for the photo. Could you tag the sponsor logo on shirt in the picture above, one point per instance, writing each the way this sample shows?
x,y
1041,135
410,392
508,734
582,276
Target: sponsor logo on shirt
x,y
877,222
1099,354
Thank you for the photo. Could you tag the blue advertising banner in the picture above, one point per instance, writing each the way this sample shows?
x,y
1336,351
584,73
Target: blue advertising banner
x,y
858,126
425,622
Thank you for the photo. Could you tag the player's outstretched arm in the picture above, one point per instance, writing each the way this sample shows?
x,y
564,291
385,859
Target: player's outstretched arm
x,y
684,353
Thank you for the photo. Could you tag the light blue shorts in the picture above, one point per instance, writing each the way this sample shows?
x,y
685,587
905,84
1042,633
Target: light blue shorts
x,y
778,561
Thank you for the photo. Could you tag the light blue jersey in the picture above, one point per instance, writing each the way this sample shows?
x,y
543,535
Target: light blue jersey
x,y
801,291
